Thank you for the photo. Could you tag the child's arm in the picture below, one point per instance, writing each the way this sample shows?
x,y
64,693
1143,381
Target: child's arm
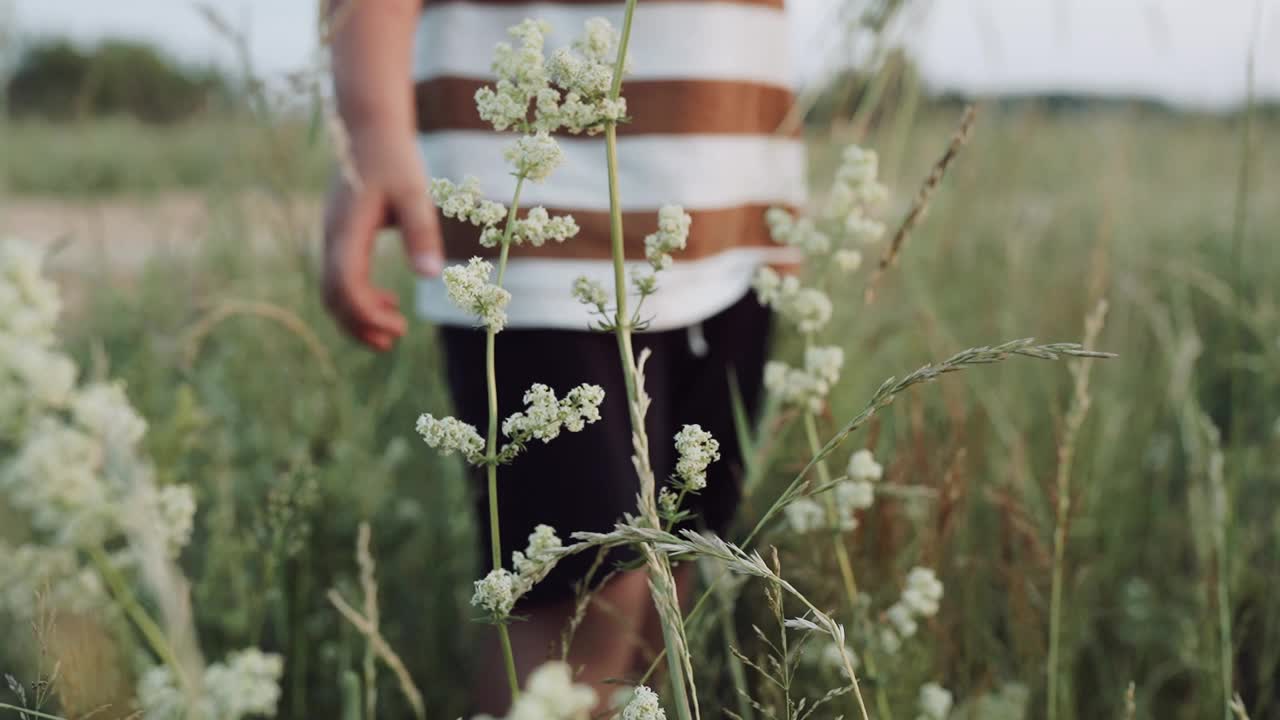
x,y
372,77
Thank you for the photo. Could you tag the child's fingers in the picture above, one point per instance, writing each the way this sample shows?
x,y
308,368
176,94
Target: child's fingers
x,y
377,339
350,225
419,225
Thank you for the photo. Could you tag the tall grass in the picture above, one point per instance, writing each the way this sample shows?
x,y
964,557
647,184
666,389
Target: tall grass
x,y
1046,214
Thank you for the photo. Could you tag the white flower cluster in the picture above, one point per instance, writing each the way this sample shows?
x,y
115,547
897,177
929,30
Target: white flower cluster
x,y
450,435
802,233
534,156
830,658
805,387
855,192
75,471
696,450
30,571
643,705
33,376
497,592
590,292
465,202
104,410
546,416
672,234
551,694
568,91
935,702
469,288
538,226
809,309
29,303
851,494
246,684
920,598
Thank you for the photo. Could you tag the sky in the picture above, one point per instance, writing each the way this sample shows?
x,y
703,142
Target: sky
x,y
1189,52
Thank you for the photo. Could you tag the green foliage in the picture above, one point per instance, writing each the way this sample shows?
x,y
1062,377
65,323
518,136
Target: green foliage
x,y
57,81
1041,216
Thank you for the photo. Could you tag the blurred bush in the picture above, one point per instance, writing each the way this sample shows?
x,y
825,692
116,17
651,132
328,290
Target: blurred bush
x,y
58,81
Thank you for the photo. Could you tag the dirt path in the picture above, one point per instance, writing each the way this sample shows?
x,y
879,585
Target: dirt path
x,y
118,235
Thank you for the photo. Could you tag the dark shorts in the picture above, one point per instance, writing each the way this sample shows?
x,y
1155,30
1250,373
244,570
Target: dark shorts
x,y
585,480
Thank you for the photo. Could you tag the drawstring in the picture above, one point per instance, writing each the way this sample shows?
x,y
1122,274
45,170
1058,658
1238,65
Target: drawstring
x,y
698,341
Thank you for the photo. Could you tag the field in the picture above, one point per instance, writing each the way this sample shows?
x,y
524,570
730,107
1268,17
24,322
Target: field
x,y
188,260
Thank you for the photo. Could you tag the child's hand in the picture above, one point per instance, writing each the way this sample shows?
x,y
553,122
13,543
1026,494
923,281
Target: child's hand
x,y
392,192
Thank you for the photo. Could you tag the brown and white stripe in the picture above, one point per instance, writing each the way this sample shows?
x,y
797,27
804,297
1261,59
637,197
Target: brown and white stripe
x,y
710,85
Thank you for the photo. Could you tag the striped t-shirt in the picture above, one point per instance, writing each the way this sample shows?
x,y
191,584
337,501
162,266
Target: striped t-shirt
x,y
710,84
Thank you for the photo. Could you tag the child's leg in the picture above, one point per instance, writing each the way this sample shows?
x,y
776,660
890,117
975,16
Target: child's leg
x,y
602,649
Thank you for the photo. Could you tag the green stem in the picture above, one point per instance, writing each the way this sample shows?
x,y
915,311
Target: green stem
x,y
124,597
32,713
491,459
842,559
1055,598
622,331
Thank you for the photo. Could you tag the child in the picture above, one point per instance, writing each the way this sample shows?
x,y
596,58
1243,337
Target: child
x,y
707,91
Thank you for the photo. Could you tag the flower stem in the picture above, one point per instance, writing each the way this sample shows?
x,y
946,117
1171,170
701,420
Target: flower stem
x,y
659,565
491,380
824,476
150,630
842,558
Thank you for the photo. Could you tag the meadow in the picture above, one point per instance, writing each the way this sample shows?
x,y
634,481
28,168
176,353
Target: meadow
x,y
292,437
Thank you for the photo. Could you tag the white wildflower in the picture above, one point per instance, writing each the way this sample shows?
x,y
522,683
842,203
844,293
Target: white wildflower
x,y
767,284
450,435
923,592
805,515
55,478
862,228
538,226
807,387
173,509
672,234
889,641
104,410
33,379
551,694
496,593
29,572
534,156
696,449
590,292
542,549
29,303
853,495
465,202
847,260
246,684
469,288
544,416
809,309
643,706
824,364
863,466
935,702
831,658
668,502
899,616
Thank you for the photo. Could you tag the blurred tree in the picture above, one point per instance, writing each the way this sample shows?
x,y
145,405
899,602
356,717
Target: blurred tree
x,y
55,80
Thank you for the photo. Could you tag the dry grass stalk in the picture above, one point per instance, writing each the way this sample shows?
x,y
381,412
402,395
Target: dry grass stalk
x,y
921,202
369,586
367,625
268,311
1080,403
